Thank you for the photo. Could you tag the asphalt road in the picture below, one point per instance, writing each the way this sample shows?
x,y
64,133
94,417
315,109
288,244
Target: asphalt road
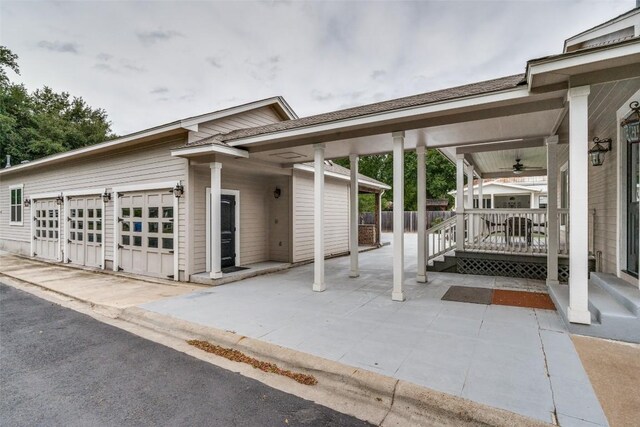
x,y
60,367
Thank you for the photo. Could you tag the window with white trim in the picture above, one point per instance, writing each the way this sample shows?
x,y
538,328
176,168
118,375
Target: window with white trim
x,y
15,205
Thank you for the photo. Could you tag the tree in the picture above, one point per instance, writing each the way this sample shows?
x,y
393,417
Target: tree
x,y
44,122
441,177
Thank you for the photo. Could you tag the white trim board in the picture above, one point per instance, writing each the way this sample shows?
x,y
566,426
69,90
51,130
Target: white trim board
x,y
145,187
362,182
84,192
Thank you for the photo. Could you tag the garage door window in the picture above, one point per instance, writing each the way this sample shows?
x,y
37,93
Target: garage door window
x,y
16,205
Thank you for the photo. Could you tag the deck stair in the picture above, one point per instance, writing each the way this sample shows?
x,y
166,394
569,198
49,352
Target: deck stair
x,y
443,263
614,305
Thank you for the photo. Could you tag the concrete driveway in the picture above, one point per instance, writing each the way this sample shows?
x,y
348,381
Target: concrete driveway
x,y
517,359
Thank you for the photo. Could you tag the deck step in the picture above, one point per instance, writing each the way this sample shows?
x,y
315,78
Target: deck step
x,y
623,292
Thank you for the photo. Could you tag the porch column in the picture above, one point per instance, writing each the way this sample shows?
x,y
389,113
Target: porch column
x,y
470,188
578,311
480,195
216,243
460,202
422,212
552,210
353,212
398,216
318,218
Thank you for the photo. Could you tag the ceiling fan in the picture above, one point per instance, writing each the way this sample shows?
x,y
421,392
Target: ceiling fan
x,y
518,167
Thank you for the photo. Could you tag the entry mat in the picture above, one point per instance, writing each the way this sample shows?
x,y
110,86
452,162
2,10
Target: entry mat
x,y
499,297
233,269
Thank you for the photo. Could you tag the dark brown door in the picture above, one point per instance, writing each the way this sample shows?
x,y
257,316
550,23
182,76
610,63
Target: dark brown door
x,y
228,230
633,194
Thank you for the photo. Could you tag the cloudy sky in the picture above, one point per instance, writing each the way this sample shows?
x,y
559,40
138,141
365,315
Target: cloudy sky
x,y
151,62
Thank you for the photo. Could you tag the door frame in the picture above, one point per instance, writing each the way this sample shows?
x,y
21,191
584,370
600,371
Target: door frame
x,y
236,194
65,209
33,198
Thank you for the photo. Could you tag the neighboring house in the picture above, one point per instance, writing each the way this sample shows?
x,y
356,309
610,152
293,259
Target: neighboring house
x,y
509,193
114,206
547,118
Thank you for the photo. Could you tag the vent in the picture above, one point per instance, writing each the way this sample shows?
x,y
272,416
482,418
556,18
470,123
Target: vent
x,y
287,155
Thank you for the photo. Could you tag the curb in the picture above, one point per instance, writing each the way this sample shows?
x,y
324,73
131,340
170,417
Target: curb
x,y
376,398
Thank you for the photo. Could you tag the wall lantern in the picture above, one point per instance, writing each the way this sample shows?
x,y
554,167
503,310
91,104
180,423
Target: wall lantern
x,y
631,124
59,200
596,154
27,202
106,197
178,190
277,192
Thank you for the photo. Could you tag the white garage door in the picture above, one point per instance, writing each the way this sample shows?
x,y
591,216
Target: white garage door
x,y
145,224
85,237
46,229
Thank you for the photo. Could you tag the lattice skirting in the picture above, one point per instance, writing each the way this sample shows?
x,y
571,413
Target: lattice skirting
x,y
497,267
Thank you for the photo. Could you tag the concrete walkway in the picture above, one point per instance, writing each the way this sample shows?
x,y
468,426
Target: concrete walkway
x,y
517,359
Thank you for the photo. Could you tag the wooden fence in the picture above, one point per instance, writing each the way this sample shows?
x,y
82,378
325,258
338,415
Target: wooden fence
x,y
410,219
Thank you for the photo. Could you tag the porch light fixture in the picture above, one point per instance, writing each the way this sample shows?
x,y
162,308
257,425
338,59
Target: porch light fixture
x,y
59,200
597,153
27,202
106,197
631,124
277,192
178,190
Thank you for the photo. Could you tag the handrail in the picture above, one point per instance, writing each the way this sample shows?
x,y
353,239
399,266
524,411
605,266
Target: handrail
x,y
444,238
442,225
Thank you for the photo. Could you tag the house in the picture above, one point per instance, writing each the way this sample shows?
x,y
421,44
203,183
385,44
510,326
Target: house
x,y
140,204
509,193
572,117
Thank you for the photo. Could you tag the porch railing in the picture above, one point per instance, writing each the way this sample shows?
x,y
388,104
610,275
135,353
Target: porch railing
x,y
508,231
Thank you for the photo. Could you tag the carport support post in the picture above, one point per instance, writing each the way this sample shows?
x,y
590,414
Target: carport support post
x,y
460,202
353,216
552,210
216,244
470,220
578,311
422,213
318,218
398,216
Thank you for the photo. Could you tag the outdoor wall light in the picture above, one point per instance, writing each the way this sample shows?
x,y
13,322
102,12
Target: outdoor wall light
x,y
27,202
631,124
106,197
597,153
178,190
277,192
59,200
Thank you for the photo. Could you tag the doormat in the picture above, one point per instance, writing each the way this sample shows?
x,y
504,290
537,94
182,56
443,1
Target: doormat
x,y
523,299
233,269
468,294
488,296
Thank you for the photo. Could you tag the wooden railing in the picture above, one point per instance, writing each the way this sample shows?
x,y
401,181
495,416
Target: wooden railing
x,y
508,231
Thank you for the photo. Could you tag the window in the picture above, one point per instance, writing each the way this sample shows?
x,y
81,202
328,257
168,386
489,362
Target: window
x,y
542,202
16,204
564,191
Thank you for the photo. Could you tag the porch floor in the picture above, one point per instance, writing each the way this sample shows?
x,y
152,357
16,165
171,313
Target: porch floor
x,y
518,359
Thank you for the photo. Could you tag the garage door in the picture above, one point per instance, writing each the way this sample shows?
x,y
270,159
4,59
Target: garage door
x,y
47,229
85,236
146,233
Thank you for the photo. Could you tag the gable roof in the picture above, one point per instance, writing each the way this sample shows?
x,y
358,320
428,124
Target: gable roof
x,y
173,128
495,85
604,24
333,168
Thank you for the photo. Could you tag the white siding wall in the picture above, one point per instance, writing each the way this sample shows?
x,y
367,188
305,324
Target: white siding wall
x,y
336,216
257,117
261,239
146,163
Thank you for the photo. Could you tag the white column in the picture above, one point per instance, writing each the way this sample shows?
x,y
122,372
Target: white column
x,y
318,218
176,237
398,216
492,201
460,202
480,195
552,210
353,216
422,212
469,188
103,220
578,311
116,230
216,227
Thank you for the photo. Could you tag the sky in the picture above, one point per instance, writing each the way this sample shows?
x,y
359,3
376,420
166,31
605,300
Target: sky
x,y
152,62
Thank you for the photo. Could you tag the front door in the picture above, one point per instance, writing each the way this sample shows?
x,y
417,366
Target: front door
x,y
633,197
228,230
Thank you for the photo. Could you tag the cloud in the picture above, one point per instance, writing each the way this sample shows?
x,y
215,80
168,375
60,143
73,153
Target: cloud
x,y
154,36
128,65
158,90
105,67
56,46
104,57
214,61
378,74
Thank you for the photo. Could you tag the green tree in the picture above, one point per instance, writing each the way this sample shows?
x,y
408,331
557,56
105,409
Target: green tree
x,y
44,122
441,178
